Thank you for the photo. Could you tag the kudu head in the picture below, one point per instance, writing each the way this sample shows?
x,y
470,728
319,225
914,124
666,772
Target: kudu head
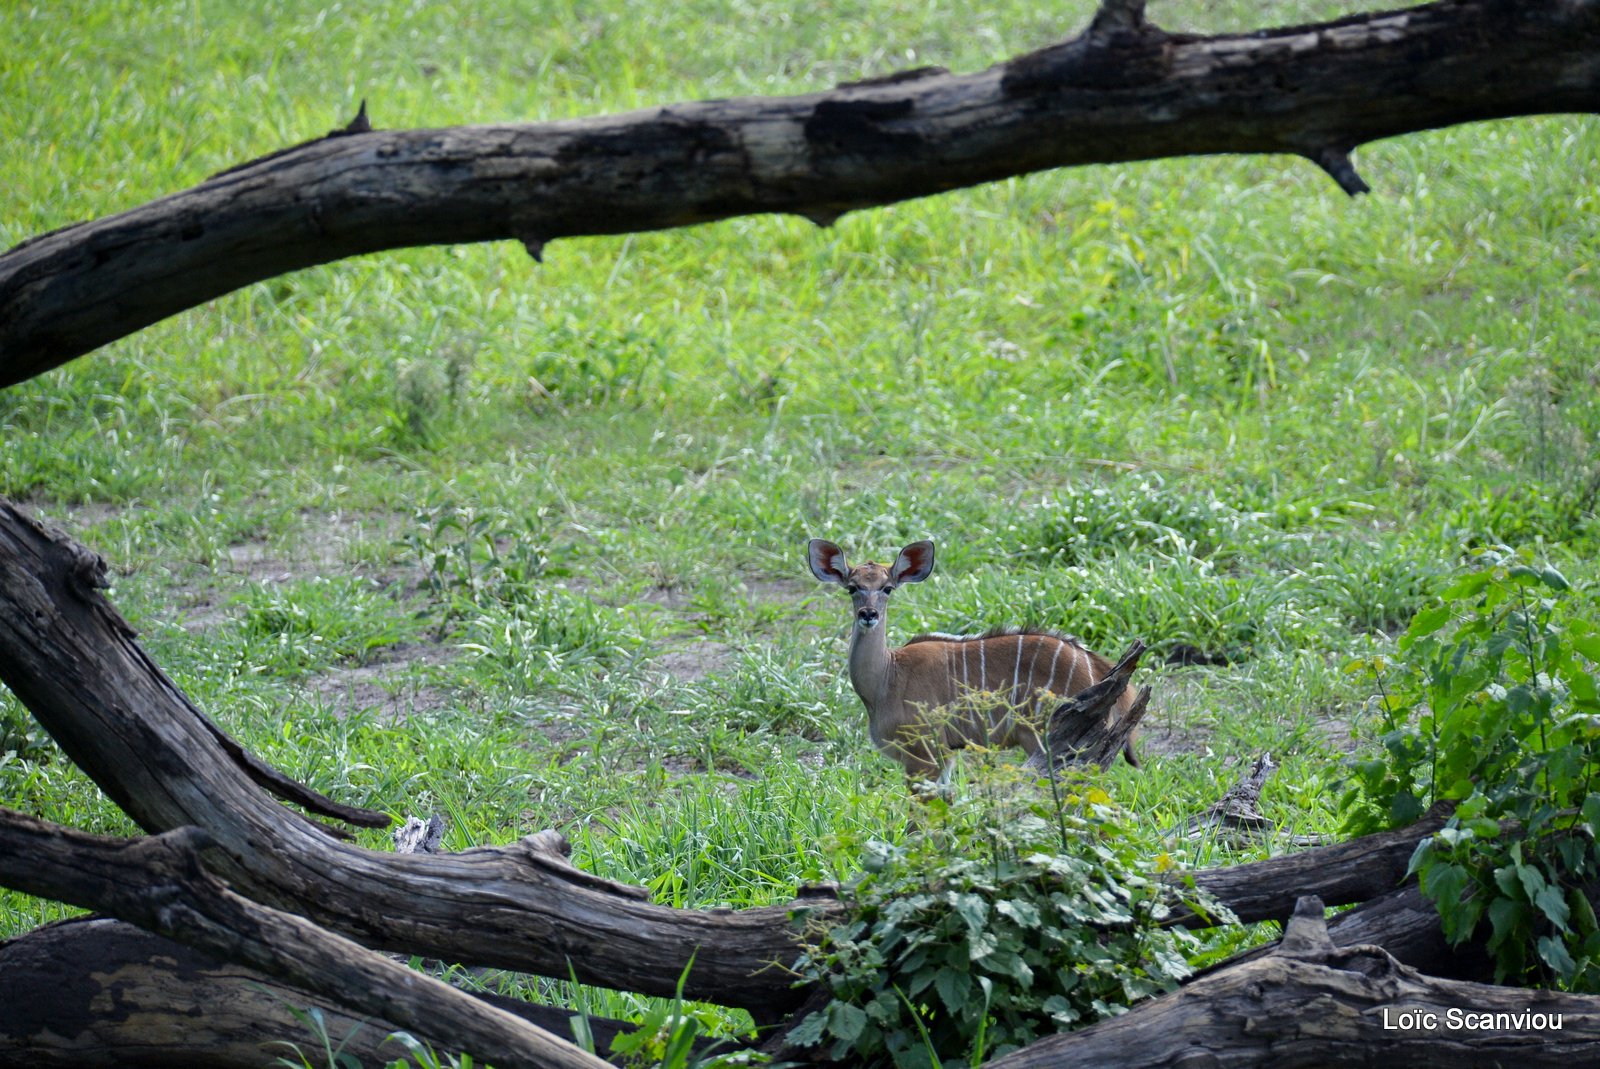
x,y
870,585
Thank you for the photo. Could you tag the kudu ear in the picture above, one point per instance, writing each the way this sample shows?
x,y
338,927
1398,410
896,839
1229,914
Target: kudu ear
x,y
827,561
914,564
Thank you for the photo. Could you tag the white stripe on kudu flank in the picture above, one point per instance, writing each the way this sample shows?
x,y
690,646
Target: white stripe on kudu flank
x,y
1077,659
983,667
1049,683
1016,673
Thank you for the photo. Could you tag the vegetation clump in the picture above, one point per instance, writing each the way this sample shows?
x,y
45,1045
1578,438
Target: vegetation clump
x,y
991,926
1494,706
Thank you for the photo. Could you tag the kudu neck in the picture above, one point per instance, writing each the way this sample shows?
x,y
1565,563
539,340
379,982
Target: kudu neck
x,y
870,662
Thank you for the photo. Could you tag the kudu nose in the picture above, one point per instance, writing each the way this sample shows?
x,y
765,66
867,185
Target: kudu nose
x,y
867,616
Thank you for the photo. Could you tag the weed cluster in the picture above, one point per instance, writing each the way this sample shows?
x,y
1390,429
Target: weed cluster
x,y
1494,705
998,922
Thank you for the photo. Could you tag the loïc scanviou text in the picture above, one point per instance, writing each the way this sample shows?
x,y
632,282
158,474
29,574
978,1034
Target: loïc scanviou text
x,y
1459,1019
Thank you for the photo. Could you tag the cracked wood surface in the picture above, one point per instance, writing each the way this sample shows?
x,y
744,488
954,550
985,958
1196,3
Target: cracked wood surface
x,y
1310,1004
1122,91
159,884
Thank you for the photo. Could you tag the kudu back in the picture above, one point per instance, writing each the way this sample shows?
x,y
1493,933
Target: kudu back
x,y
939,693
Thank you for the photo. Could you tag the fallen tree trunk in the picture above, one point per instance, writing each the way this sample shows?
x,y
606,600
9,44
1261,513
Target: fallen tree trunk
x,y
179,1008
158,884
73,662
1122,91
1311,1004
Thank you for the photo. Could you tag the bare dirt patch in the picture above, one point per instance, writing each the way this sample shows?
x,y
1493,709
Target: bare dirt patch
x,y
694,661
397,686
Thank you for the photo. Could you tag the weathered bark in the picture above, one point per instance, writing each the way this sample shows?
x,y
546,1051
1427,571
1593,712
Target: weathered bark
x,y
1122,91
1315,1005
179,1008
73,662
158,884
1237,814
1084,729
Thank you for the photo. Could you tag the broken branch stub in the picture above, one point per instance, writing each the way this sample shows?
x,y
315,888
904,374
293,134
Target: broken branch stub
x,y
159,884
1122,91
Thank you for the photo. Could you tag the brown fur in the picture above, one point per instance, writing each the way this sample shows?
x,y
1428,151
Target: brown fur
x,y
942,692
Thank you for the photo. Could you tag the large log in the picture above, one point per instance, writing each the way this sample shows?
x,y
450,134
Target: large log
x,y
179,1008
1312,1005
72,660
1122,91
158,883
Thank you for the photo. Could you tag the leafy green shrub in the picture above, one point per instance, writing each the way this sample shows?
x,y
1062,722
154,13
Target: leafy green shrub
x,y
1496,707
987,930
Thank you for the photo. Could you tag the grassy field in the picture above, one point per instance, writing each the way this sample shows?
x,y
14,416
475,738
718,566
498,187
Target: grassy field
x,y
447,530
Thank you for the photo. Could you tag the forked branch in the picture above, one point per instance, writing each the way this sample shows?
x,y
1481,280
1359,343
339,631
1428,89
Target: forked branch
x,y
1121,91
159,884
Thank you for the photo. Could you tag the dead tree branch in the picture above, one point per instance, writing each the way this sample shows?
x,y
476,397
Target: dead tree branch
x,y
1121,91
69,657
158,884
1084,729
181,1008
1312,1004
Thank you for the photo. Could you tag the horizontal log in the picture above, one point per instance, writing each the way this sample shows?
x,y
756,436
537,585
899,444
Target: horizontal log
x,y
179,1008
1123,91
158,883
1313,1005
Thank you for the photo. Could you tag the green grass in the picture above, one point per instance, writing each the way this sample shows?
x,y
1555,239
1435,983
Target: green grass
x,y
446,530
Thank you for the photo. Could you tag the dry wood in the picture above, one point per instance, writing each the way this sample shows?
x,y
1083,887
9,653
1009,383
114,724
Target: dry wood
x,y
1122,91
158,884
72,661
1315,1005
179,1008
1086,728
1237,814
